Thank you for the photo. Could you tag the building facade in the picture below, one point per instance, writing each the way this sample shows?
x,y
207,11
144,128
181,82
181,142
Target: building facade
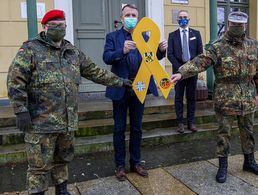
x,y
88,21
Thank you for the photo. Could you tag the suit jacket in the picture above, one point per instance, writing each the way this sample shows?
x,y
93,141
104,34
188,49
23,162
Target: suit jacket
x,y
175,47
122,64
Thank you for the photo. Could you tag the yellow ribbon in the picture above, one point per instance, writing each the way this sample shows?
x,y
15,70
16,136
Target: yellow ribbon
x,y
150,64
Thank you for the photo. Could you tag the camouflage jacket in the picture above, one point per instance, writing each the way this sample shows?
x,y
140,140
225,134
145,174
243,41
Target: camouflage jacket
x,y
43,79
234,62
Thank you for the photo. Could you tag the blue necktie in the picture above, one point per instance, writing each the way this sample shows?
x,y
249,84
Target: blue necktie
x,y
185,55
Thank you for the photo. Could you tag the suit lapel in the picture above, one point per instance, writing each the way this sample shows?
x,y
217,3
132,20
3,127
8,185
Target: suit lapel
x,y
178,37
121,37
191,46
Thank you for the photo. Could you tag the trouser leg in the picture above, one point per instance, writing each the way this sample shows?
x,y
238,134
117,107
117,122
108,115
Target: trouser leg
x,y
245,124
40,150
191,99
136,109
179,97
63,155
119,115
223,140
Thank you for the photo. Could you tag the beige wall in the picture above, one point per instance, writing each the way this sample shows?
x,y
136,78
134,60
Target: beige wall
x,y
13,29
13,32
199,19
253,7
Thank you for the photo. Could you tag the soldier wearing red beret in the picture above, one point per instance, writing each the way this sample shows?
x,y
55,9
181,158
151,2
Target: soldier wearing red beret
x,y
43,82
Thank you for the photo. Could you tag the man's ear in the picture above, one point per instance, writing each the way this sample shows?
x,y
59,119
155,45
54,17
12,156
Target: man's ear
x,y
122,19
45,27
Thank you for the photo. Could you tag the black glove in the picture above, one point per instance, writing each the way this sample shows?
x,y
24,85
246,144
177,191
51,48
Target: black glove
x,y
23,121
127,83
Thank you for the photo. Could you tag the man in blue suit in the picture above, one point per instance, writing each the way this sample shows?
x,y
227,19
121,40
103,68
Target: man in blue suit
x,y
183,45
121,52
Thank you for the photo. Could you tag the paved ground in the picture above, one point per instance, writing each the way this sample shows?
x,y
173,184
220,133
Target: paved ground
x,y
184,179
191,178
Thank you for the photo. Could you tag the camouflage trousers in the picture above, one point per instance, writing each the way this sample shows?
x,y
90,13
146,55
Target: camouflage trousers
x,y
48,154
245,125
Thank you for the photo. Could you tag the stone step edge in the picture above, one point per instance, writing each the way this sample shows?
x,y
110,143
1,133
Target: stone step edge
x,y
146,118
108,107
94,123
16,153
107,112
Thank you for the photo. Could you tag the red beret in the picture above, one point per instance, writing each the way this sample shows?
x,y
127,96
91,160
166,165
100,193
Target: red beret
x,y
53,14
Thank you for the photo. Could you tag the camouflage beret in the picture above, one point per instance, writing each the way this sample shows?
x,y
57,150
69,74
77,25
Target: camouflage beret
x,y
238,17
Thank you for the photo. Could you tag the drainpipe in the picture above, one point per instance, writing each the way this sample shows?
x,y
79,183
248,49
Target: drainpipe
x,y
213,37
32,22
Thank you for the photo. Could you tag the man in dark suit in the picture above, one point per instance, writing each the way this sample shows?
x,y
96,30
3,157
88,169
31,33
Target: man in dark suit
x,y
183,45
120,52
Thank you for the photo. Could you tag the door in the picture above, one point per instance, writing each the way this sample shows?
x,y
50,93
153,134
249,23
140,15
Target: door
x,y
93,19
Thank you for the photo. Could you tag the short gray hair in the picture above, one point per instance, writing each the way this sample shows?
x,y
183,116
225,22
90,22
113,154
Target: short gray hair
x,y
132,6
180,11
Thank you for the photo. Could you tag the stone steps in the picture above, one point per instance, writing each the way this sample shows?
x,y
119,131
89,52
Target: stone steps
x,y
103,110
150,121
96,123
91,144
94,127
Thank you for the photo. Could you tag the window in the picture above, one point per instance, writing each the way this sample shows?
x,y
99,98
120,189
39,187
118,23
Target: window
x,y
227,6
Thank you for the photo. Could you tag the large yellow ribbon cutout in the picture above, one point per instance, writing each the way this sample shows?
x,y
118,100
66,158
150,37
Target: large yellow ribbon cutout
x,y
150,64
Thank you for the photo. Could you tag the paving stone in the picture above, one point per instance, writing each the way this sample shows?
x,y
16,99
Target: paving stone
x,y
235,167
71,188
200,178
106,186
159,182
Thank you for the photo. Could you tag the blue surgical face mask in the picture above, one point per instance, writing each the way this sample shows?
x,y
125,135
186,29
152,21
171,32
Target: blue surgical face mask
x,y
183,22
130,23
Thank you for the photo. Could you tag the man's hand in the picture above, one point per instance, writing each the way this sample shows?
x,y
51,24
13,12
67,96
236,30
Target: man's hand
x,y
176,77
127,83
23,121
163,46
129,45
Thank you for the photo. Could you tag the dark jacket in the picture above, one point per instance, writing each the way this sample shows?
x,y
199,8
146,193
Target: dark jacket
x,y
174,53
235,70
43,80
124,64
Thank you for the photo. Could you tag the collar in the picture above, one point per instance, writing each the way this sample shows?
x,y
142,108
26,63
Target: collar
x,y
43,38
181,29
234,40
125,32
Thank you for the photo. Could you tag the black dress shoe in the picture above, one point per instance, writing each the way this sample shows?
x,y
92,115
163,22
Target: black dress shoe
x,y
192,127
120,174
180,128
140,170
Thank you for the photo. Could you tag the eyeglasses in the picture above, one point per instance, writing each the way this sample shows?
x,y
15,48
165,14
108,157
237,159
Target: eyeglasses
x,y
56,25
183,17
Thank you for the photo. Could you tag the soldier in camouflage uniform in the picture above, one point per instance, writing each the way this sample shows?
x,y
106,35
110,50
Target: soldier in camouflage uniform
x,y
234,59
43,82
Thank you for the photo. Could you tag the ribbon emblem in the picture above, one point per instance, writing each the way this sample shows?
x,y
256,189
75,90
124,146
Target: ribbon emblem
x,y
150,64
